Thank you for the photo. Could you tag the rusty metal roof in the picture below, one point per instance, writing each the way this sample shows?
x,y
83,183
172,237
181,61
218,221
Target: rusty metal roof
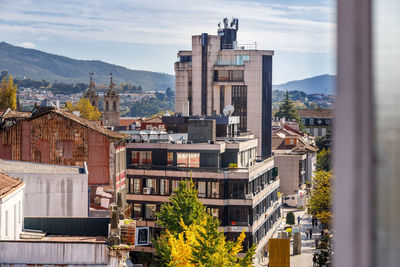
x,y
82,121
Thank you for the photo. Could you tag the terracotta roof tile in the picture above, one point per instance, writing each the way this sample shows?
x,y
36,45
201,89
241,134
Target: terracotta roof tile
x,y
8,184
315,113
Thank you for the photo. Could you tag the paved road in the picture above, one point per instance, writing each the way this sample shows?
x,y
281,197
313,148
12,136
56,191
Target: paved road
x,y
307,245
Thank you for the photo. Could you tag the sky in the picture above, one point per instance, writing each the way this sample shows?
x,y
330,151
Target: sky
x,y
147,34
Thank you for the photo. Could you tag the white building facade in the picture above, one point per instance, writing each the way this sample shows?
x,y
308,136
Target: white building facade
x,y
11,207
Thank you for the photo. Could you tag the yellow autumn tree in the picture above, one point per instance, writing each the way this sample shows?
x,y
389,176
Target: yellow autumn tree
x,y
192,237
87,110
320,202
8,93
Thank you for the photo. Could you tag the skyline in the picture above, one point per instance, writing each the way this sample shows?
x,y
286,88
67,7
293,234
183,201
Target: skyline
x,y
147,36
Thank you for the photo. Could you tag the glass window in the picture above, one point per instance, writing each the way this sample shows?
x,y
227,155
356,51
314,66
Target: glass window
x,y
175,184
213,190
152,184
213,212
170,158
135,157
137,187
137,211
237,75
188,160
223,75
164,187
311,121
201,187
150,211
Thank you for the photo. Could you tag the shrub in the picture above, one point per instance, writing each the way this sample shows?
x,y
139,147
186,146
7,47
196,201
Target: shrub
x,y
290,218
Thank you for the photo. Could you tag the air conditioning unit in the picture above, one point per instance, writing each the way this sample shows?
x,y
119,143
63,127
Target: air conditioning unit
x,y
263,185
211,142
189,142
146,190
259,188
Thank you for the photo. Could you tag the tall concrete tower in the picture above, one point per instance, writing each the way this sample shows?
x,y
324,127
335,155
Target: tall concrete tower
x,y
110,114
218,72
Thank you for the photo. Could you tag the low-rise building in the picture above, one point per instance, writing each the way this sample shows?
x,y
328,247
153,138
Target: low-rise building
x,y
11,207
316,121
57,136
51,190
295,157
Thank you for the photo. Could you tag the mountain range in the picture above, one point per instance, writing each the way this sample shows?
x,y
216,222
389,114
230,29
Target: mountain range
x,y
323,84
37,65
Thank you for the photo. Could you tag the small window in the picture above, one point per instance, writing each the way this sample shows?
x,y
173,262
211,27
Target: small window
x,y
7,222
164,187
137,211
137,187
150,211
201,187
291,140
311,121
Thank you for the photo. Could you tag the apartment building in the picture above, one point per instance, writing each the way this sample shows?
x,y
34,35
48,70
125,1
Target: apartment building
x,y
316,121
295,156
218,72
236,187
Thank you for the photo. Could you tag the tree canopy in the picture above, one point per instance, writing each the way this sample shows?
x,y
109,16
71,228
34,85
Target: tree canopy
x,y
287,109
320,202
192,237
324,159
87,110
8,93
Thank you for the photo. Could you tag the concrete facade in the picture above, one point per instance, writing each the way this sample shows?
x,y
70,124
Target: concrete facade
x,y
51,190
11,213
199,89
288,166
59,253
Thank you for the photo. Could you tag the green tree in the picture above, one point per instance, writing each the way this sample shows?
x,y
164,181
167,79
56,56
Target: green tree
x,y
87,110
319,204
192,237
8,93
286,109
290,218
324,160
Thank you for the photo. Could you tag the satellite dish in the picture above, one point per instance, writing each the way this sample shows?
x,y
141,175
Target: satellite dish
x,y
228,110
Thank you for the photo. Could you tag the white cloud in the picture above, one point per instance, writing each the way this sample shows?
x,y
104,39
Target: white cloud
x,y
272,26
27,45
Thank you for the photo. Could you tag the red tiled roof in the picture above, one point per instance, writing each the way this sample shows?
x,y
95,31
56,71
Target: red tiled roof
x,y
153,120
8,184
128,121
315,113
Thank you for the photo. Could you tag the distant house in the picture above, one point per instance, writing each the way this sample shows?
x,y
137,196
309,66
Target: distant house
x,y
11,207
317,121
295,157
57,136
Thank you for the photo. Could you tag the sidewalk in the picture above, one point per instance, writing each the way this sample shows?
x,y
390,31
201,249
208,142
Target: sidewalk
x,y
307,245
